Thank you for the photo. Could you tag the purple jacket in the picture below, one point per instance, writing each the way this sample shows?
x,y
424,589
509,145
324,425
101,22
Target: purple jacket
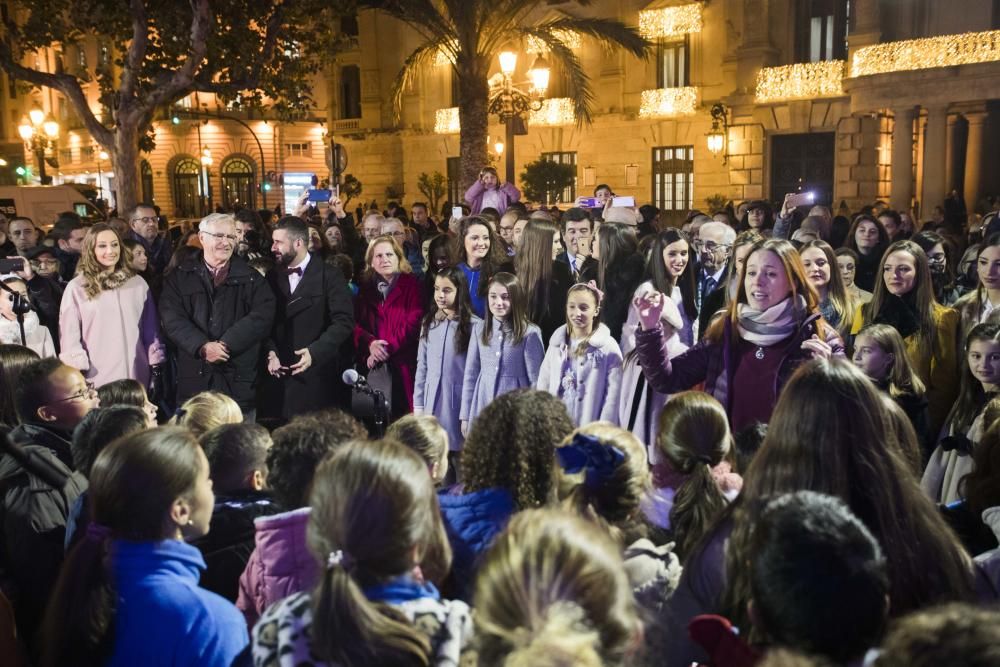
x,y
508,195
281,563
714,363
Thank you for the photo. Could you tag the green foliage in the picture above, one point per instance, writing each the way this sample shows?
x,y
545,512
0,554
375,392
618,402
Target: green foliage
x,y
350,189
543,180
716,202
433,188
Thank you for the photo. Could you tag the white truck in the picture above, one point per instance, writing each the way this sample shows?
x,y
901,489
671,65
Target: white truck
x,y
42,203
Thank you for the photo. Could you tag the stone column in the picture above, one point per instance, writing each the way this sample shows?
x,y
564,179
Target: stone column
x,y
950,180
901,192
935,145
974,159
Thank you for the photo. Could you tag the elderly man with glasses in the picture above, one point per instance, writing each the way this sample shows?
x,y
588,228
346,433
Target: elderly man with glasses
x,y
144,226
217,311
714,246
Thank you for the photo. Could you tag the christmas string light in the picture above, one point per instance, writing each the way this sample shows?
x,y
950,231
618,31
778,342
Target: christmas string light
x,y
554,111
664,102
801,81
446,121
926,53
670,21
570,38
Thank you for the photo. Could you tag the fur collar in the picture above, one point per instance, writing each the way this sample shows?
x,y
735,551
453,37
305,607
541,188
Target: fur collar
x,y
600,339
105,282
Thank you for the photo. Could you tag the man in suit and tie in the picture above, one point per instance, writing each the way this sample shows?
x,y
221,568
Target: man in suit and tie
x,y
578,240
315,320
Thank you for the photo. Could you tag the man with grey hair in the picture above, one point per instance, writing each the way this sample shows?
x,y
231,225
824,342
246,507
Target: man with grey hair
x,y
144,229
714,245
217,311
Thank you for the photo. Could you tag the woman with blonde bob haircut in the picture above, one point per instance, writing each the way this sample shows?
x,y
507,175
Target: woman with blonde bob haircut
x,y
828,434
551,592
771,328
205,411
376,530
108,325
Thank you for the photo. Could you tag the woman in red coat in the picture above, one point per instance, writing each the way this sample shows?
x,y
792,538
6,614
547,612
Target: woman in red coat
x,y
387,314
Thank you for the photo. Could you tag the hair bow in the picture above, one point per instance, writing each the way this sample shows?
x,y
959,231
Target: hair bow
x,y
959,444
592,286
587,453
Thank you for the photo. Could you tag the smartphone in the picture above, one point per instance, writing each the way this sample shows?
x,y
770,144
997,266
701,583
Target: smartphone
x,y
335,191
319,195
456,212
583,246
588,202
802,199
11,264
628,202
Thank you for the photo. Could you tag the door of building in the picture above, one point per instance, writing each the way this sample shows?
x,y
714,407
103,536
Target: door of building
x,y
802,163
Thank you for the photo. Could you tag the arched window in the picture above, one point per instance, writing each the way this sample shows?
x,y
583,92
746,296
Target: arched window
x,y
238,182
146,172
185,176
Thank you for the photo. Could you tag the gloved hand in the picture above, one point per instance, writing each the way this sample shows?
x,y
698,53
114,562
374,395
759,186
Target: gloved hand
x,y
155,393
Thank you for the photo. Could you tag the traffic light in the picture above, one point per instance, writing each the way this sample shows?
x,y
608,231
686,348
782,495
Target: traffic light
x,y
175,119
267,187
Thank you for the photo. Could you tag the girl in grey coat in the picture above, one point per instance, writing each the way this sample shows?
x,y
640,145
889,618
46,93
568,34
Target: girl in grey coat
x,y
505,350
444,344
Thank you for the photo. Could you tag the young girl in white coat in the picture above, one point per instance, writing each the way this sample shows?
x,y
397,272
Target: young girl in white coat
x,y
583,366
505,350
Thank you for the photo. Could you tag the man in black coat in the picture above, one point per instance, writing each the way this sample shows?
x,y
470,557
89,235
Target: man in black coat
x,y
315,319
217,312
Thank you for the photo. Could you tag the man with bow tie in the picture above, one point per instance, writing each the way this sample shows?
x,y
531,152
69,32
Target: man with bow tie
x,y
315,320
217,311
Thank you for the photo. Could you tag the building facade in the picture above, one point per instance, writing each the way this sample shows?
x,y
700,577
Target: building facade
x,y
854,100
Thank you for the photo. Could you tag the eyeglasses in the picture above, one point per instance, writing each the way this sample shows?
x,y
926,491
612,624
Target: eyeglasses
x,y
147,219
85,394
220,237
711,247
38,263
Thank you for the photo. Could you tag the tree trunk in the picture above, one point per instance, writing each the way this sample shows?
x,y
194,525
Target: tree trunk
x,y
125,162
474,119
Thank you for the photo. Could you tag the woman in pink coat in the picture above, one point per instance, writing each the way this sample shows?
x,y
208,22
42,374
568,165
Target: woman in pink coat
x,y
108,326
487,192
387,315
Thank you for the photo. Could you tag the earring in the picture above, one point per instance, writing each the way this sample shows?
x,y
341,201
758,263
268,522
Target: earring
x,y
190,522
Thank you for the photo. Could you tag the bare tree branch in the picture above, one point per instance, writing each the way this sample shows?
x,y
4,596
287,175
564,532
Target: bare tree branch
x,y
183,77
136,49
67,84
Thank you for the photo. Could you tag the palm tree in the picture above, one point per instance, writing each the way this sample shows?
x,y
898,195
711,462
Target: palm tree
x,y
472,32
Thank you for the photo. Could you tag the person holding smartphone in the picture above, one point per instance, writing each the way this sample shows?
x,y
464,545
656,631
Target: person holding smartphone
x,y
577,235
487,192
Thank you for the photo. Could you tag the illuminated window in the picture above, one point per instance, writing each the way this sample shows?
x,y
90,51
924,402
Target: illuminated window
x,y
822,30
673,177
672,63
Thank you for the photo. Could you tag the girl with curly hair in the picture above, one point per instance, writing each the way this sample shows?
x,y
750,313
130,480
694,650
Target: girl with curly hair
x,y
108,325
507,466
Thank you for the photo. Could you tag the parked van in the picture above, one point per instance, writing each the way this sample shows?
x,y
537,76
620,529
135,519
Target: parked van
x,y
42,203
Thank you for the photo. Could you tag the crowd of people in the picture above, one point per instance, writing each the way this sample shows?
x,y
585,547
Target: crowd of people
x,y
770,436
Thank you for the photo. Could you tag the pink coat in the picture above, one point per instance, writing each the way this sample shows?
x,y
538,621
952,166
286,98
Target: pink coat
x,y
113,336
396,321
281,563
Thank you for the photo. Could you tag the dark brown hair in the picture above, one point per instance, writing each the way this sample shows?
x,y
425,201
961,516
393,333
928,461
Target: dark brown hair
x,y
517,321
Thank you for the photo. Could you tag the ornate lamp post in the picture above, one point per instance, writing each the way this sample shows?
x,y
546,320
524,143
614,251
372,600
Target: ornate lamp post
x,y
39,133
101,155
206,186
511,103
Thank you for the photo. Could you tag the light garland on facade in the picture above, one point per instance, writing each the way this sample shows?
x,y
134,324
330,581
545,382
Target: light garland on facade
x,y
570,38
662,102
446,121
554,111
670,21
801,81
912,54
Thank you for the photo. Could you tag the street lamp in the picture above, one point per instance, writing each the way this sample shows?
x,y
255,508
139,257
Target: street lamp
x,y
102,155
39,133
206,189
717,136
511,103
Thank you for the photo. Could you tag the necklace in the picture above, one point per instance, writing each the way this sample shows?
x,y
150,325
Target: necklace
x,y
760,352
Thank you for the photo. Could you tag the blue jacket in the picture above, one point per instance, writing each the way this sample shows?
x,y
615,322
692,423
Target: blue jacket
x,y
472,520
163,618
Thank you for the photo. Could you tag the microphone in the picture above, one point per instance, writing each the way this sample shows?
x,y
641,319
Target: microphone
x,y
352,378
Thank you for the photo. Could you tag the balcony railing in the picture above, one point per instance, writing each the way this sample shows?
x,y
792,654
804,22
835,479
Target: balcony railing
x,y
801,81
670,22
927,53
347,125
668,102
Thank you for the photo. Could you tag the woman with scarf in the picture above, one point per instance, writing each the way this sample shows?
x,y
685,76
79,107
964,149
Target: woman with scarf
x,y
387,316
770,328
904,299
